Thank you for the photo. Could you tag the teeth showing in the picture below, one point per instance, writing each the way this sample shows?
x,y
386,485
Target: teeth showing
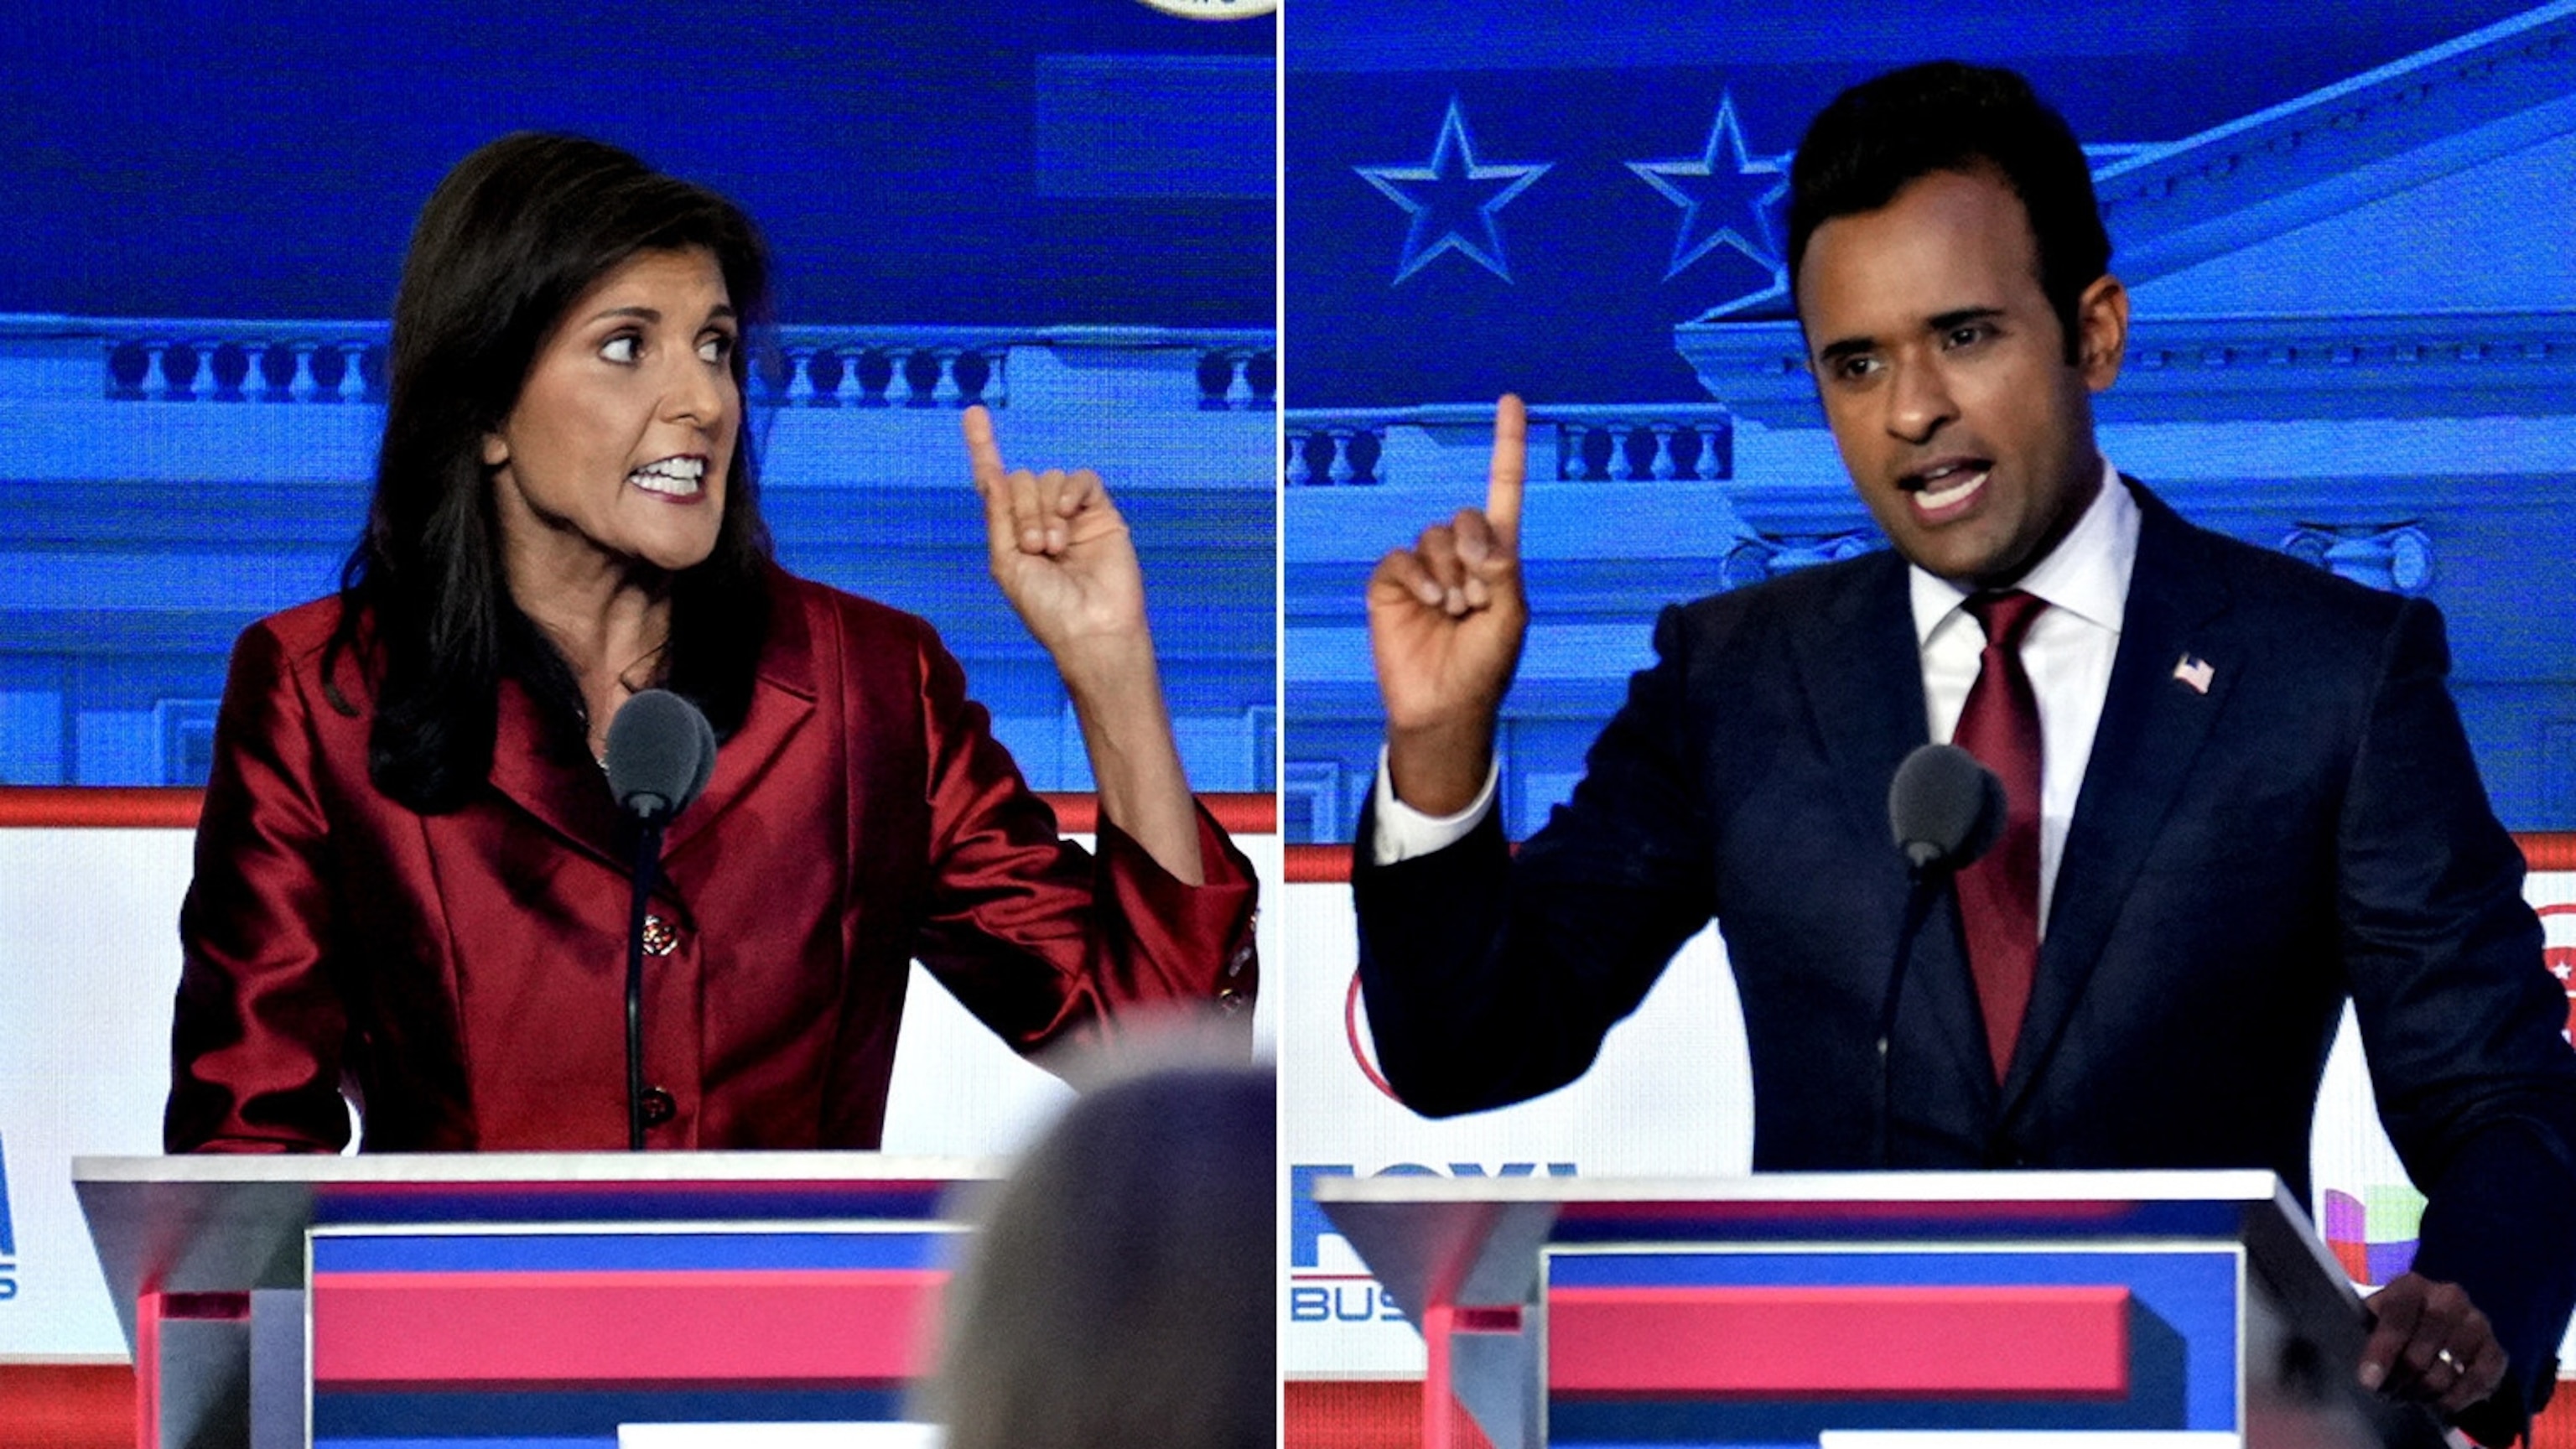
x,y
1945,486
675,476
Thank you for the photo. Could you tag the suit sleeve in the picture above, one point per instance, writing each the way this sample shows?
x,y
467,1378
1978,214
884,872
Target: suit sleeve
x,y
2461,1021
1492,978
1043,941
257,1030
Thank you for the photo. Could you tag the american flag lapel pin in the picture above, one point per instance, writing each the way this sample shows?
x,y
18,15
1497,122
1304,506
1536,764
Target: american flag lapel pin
x,y
2195,671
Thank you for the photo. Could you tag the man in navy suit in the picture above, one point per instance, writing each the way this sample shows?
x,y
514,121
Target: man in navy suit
x,y
2238,789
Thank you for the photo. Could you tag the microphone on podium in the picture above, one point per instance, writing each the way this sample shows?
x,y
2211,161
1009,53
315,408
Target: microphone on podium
x,y
660,752
1945,809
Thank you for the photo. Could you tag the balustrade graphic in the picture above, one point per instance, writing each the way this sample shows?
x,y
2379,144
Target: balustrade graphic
x,y
1630,446
200,360
1763,557
154,486
1690,442
343,364
1242,378
2392,557
1333,453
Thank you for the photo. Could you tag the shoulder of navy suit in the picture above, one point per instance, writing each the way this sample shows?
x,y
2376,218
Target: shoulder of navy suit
x,y
2326,634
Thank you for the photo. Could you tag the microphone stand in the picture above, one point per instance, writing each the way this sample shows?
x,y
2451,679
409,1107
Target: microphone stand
x,y
648,864
660,752
1927,881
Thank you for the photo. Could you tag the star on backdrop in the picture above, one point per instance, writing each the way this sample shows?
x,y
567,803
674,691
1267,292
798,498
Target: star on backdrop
x,y
1728,197
1452,199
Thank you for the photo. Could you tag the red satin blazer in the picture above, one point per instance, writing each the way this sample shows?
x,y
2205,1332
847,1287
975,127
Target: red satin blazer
x,y
462,976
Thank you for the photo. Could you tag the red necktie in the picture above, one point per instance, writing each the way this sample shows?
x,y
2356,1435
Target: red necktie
x,y
1999,895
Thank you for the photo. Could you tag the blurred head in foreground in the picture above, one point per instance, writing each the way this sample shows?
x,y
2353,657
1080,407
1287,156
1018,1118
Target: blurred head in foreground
x,y
1121,1290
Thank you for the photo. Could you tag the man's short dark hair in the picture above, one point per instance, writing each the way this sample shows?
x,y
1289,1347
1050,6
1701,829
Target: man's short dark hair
x,y
1880,135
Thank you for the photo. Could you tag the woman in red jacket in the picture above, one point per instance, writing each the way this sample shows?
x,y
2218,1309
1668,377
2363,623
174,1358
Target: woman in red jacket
x,y
411,881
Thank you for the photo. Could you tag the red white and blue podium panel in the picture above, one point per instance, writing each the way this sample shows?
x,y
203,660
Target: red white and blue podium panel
x,y
1824,1310
1773,1347
562,1336
537,1300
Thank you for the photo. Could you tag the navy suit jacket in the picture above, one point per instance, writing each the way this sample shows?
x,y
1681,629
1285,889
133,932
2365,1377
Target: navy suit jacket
x,y
2240,862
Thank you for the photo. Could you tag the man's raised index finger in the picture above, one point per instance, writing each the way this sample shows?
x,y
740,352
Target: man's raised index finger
x,y
983,452
1510,467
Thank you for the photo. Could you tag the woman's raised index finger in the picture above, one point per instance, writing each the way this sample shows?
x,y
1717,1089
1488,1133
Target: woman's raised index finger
x,y
983,451
1510,467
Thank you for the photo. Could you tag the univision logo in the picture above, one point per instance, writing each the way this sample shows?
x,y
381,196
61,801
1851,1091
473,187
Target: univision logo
x,y
8,1237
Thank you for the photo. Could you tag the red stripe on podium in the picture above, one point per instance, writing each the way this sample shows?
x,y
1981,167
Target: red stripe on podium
x,y
2548,849
1701,1342
2542,850
1241,812
1318,864
156,807
113,807
814,1326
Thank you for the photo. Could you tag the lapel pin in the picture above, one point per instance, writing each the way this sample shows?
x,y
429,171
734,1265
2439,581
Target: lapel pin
x,y
2195,672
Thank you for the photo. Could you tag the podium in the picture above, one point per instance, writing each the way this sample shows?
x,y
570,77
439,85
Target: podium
x,y
518,1297
2147,1309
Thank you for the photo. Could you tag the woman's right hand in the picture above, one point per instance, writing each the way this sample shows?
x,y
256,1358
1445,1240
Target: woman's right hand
x,y
1446,621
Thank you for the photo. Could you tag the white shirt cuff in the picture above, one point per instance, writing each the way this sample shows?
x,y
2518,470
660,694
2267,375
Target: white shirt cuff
x,y
1404,832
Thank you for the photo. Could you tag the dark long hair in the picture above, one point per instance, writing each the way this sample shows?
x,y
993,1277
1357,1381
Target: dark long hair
x,y
509,241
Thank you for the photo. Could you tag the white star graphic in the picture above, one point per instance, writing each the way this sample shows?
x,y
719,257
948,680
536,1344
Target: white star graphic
x,y
1452,199
1727,196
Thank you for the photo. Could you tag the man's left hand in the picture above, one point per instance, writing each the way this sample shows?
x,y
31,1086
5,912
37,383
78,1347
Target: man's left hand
x,y
2430,1344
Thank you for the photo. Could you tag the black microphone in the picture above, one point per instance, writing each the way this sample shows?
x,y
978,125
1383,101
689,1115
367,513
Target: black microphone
x,y
1945,809
660,752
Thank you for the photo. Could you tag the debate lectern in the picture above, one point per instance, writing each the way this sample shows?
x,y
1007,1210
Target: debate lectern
x,y
524,1298
1849,1310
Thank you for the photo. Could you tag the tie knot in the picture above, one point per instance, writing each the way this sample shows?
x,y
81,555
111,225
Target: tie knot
x,y
2005,615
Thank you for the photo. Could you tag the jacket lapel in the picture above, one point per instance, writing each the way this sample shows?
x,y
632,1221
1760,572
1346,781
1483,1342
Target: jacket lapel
x,y
1863,674
571,796
567,793
2153,726
782,695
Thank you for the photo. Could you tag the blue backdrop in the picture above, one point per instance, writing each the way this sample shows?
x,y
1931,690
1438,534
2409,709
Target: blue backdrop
x,y
1063,210
2344,230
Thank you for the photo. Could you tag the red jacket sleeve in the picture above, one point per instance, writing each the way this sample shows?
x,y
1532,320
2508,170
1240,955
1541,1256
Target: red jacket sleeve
x,y
1040,940
257,1032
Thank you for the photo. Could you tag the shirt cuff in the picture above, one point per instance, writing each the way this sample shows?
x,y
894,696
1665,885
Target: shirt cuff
x,y
1403,832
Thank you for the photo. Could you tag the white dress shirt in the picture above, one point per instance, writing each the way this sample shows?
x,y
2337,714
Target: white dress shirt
x,y
2067,652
